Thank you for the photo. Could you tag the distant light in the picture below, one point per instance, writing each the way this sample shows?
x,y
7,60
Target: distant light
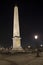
x,y
41,45
36,36
29,46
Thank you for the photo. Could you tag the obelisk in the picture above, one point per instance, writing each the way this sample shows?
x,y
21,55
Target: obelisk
x,y
16,31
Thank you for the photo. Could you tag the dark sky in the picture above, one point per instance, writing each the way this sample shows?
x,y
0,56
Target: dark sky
x,y
30,18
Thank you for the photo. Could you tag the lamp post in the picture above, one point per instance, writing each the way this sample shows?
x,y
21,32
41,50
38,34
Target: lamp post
x,y
37,46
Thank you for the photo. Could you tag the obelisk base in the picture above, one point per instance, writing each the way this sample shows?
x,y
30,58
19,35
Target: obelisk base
x,y
17,49
17,44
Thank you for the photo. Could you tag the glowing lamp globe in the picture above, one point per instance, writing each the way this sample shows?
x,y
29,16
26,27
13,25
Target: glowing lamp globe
x,y
36,36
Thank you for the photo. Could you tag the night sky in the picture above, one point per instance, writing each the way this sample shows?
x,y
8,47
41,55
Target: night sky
x,y
30,18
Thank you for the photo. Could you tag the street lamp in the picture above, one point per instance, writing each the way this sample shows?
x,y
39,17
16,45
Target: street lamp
x,y
36,39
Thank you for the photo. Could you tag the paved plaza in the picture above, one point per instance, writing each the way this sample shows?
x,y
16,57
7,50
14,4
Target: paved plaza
x,y
21,59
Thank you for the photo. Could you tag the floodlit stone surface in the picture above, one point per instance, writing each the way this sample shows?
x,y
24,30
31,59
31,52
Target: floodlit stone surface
x,y
16,30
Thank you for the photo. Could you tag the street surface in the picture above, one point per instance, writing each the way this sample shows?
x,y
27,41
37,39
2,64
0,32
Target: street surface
x,y
21,59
